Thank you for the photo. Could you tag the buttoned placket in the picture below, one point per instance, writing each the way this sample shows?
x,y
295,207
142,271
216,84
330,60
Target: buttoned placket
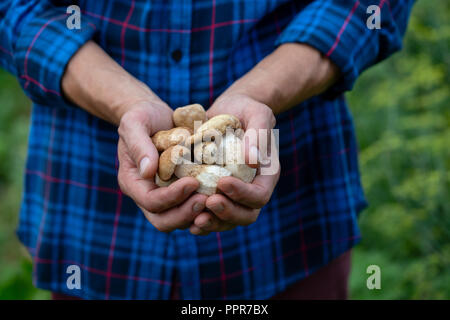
x,y
185,244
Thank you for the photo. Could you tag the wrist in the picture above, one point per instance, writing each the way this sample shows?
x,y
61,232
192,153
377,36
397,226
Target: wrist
x,y
96,83
154,115
291,74
257,85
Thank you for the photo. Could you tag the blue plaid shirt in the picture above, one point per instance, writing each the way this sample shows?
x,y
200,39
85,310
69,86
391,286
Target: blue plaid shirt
x,y
73,212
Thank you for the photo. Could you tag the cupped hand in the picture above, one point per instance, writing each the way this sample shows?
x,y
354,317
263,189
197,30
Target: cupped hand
x,y
167,208
241,203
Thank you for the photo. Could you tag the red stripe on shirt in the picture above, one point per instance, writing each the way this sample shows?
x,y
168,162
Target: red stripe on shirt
x,y
122,34
341,31
40,85
25,64
51,179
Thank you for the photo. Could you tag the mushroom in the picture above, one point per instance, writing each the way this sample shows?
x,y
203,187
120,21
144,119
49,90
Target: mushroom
x,y
221,156
207,175
186,116
167,138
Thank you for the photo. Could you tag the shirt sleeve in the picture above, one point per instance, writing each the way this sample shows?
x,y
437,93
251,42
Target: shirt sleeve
x,y
339,30
36,44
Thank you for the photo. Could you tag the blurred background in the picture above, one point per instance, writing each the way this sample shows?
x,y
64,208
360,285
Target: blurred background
x,y
401,109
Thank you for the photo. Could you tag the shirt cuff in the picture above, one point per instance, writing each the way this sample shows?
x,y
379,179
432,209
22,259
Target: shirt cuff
x,y
43,49
333,34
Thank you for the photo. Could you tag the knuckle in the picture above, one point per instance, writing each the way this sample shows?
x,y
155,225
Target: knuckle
x,y
130,119
270,116
273,120
121,129
125,124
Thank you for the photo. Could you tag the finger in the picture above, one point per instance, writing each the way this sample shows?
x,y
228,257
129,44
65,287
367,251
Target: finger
x,y
254,195
136,136
230,212
130,181
208,222
257,135
178,217
161,199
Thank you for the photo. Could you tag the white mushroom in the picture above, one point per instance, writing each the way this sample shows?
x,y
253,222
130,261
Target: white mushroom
x,y
207,175
232,157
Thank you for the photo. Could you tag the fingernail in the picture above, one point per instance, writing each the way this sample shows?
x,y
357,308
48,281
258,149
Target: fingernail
x,y
253,155
143,165
198,207
218,208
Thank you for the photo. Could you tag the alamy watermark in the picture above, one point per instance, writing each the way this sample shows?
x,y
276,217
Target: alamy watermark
x,y
374,20
374,280
74,20
74,279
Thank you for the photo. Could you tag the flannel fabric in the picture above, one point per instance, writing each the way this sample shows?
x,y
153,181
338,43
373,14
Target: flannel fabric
x,y
73,212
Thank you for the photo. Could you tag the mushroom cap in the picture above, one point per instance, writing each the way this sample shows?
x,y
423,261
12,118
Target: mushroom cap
x,y
167,138
216,126
169,159
187,115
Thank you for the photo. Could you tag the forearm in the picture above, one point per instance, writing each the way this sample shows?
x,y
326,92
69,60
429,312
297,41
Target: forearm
x,y
96,83
291,74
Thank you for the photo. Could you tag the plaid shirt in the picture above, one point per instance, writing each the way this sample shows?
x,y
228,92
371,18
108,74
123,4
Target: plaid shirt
x,y
73,212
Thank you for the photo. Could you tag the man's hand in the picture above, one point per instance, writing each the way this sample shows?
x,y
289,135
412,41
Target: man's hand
x,y
99,85
291,74
241,202
167,208
95,82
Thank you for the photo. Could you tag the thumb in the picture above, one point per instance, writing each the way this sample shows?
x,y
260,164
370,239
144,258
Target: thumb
x,y
141,150
257,137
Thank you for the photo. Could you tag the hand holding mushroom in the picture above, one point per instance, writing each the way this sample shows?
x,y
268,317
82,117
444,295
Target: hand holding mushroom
x,y
207,153
239,203
215,158
168,208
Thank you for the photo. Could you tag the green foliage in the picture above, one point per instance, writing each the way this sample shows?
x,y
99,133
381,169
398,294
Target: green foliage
x,y
402,116
15,264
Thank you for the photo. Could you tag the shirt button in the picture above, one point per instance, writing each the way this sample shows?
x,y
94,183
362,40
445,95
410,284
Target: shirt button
x,y
177,55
